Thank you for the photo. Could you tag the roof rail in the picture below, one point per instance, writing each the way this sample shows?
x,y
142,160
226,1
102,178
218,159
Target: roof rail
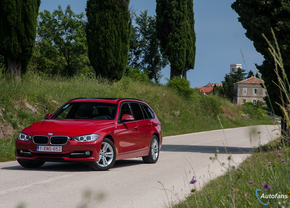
x,y
129,98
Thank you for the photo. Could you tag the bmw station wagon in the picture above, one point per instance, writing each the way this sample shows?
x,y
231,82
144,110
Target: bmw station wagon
x,y
96,131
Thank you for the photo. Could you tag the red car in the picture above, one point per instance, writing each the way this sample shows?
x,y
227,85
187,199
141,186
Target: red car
x,y
92,130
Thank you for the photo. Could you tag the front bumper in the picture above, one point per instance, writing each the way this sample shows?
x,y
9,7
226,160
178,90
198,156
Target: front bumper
x,y
71,151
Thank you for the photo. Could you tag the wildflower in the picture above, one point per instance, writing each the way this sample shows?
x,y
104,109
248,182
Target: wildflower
x,y
247,194
279,155
283,160
250,182
192,181
266,186
233,166
268,162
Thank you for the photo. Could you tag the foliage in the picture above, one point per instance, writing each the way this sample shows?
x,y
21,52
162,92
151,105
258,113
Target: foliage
x,y
211,105
137,74
61,47
181,86
18,20
108,35
254,110
175,30
227,90
258,17
250,74
144,50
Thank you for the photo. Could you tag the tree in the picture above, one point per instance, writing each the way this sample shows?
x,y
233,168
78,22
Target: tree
x,y
258,17
227,90
250,74
18,20
108,35
144,50
62,41
175,30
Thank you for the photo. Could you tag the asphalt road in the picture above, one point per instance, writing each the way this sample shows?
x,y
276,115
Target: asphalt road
x,y
131,183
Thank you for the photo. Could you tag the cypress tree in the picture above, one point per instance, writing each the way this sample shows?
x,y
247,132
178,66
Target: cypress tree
x,y
18,21
108,35
190,39
175,30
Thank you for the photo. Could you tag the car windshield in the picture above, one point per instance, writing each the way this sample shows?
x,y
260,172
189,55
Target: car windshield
x,y
86,110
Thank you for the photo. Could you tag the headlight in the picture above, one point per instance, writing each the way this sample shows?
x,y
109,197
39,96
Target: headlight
x,y
86,138
24,137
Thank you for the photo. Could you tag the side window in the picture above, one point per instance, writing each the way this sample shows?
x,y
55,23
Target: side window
x,y
138,115
148,111
125,110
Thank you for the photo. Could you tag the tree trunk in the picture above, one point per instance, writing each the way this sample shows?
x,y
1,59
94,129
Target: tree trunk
x,y
184,74
173,72
14,67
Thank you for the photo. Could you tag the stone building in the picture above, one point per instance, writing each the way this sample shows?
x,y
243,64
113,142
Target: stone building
x,y
234,67
249,90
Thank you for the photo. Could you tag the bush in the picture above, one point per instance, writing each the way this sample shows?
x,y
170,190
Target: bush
x,y
137,74
181,86
211,105
255,111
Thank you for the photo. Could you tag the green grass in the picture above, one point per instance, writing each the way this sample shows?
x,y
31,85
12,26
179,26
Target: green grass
x,y
27,101
7,150
233,188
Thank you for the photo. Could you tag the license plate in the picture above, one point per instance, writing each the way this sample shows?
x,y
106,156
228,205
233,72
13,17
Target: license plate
x,y
49,148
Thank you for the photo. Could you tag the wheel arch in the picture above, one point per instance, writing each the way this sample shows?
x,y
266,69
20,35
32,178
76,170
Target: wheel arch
x,y
110,137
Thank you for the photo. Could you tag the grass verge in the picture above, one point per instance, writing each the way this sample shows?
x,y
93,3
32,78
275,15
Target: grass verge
x,y
265,172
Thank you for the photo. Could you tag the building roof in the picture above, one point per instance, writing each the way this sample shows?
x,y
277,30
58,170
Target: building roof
x,y
205,89
252,79
214,84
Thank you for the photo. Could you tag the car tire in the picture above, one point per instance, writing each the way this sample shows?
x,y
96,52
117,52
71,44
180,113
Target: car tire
x,y
153,151
30,163
107,156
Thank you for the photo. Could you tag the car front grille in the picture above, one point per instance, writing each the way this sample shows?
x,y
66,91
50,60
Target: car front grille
x,y
40,139
58,140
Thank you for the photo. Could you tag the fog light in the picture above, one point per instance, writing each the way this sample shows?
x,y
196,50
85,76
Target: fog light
x,y
87,153
21,151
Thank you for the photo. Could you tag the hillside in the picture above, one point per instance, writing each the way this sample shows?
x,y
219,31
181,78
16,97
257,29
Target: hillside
x,y
27,101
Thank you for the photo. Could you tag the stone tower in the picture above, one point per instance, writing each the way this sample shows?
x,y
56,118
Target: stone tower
x,y
234,67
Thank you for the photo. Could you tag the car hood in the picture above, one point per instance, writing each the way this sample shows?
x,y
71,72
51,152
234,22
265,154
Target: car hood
x,y
67,127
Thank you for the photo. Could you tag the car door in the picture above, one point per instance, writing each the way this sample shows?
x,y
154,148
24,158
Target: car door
x,y
144,125
127,131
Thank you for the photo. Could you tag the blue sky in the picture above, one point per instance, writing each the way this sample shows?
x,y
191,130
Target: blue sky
x,y
220,38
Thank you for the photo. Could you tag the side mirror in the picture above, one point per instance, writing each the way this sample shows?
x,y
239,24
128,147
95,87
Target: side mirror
x,y
127,117
47,116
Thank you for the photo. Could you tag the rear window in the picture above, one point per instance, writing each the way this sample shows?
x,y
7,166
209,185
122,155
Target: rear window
x,y
138,115
148,111
86,110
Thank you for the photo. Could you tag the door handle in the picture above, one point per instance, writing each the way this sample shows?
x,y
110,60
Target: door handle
x,y
149,124
135,127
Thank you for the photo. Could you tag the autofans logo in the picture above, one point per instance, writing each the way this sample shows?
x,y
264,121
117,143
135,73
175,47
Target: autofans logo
x,y
264,198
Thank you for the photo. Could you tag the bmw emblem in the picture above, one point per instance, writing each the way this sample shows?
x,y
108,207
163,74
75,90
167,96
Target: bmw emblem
x,y
50,134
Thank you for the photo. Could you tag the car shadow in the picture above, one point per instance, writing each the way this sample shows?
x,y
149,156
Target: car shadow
x,y
205,149
73,166
54,166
